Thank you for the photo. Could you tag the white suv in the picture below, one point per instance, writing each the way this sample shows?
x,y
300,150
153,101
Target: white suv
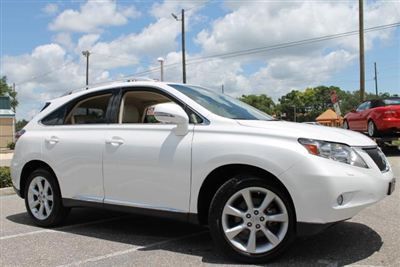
x,y
186,152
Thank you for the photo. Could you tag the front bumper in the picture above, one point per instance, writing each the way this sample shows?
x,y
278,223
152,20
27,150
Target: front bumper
x,y
316,183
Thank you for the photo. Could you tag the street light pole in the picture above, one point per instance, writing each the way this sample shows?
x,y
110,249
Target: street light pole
x,y
87,54
182,20
161,60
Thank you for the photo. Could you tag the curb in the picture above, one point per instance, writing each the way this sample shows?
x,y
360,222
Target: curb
x,y
7,191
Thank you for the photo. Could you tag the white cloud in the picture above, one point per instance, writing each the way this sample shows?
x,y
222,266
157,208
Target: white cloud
x,y
161,10
64,39
259,24
45,73
50,9
92,16
155,40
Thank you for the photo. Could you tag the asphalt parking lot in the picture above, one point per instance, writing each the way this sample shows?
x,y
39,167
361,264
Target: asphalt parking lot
x,y
101,238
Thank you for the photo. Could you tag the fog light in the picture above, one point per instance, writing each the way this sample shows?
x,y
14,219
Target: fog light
x,y
340,200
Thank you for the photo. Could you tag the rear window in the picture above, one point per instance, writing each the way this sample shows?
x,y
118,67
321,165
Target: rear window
x,y
391,101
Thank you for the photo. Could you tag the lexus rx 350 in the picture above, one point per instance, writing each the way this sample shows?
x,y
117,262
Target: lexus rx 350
x,y
187,152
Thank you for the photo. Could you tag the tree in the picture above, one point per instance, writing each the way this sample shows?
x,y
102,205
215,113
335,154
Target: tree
x,y
261,102
20,124
6,90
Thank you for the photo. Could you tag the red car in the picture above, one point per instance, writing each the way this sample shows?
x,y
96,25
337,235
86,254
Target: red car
x,y
376,117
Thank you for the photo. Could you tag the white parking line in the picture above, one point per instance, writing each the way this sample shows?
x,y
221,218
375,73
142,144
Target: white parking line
x,y
123,252
57,230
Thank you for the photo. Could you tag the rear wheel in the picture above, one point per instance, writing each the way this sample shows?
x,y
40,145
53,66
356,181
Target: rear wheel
x,y
251,219
43,199
372,131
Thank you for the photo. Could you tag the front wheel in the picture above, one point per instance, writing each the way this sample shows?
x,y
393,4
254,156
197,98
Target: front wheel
x,y
43,199
251,219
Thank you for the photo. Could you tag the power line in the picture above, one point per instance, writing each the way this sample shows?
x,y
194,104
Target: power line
x,y
248,51
44,74
291,44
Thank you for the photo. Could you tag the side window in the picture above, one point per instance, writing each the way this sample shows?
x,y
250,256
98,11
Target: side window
x,y
55,118
91,110
363,106
136,106
193,117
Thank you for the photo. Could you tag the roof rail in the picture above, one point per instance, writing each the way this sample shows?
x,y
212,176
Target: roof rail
x,y
141,79
133,79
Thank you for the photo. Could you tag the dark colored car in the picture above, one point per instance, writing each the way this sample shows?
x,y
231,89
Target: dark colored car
x,y
376,117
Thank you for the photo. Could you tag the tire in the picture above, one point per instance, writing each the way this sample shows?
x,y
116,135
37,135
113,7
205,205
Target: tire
x,y
220,220
44,206
346,125
371,129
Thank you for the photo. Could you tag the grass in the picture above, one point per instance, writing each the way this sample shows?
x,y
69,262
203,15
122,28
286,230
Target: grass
x,y
5,177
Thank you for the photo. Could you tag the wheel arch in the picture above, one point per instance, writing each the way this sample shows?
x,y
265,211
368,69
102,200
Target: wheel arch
x,y
216,178
28,168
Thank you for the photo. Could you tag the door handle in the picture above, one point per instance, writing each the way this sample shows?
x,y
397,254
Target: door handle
x,y
52,140
115,141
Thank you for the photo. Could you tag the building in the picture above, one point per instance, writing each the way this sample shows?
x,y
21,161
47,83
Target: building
x,y
330,118
7,122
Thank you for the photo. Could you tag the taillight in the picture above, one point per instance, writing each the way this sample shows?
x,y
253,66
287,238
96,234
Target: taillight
x,y
390,114
19,134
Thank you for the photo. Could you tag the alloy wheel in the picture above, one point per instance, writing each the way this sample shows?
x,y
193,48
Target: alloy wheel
x,y
371,128
255,220
40,198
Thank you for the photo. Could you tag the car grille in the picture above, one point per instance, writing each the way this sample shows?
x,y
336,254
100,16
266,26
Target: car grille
x,y
377,157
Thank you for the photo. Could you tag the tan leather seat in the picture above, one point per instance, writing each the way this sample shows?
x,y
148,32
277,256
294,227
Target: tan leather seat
x,y
130,114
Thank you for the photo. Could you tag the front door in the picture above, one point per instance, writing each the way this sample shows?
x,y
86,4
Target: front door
x,y
145,164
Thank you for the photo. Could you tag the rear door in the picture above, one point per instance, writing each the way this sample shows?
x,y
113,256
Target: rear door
x,y
74,143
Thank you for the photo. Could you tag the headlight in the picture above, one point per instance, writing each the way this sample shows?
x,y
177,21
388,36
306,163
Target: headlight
x,y
335,151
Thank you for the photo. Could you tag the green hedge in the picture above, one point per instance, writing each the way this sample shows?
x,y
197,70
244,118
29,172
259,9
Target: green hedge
x,y
5,177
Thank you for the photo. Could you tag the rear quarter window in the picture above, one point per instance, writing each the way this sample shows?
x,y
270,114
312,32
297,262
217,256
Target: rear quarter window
x,y
55,118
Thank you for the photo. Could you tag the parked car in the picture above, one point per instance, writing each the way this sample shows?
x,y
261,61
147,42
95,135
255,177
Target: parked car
x,y
376,117
189,153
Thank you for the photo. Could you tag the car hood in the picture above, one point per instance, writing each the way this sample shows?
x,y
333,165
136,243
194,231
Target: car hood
x,y
300,130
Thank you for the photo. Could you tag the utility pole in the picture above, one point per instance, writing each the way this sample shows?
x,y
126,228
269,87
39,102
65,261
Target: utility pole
x,y
161,60
361,34
376,80
182,20
222,88
87,54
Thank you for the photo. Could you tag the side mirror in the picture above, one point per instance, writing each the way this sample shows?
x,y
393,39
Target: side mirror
x,y
173,114
353,111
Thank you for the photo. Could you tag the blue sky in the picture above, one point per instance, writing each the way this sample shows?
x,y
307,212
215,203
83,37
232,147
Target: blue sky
x,y
41,44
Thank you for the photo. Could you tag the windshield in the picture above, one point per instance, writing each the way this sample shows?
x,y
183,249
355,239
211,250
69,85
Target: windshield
x,y
221,104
